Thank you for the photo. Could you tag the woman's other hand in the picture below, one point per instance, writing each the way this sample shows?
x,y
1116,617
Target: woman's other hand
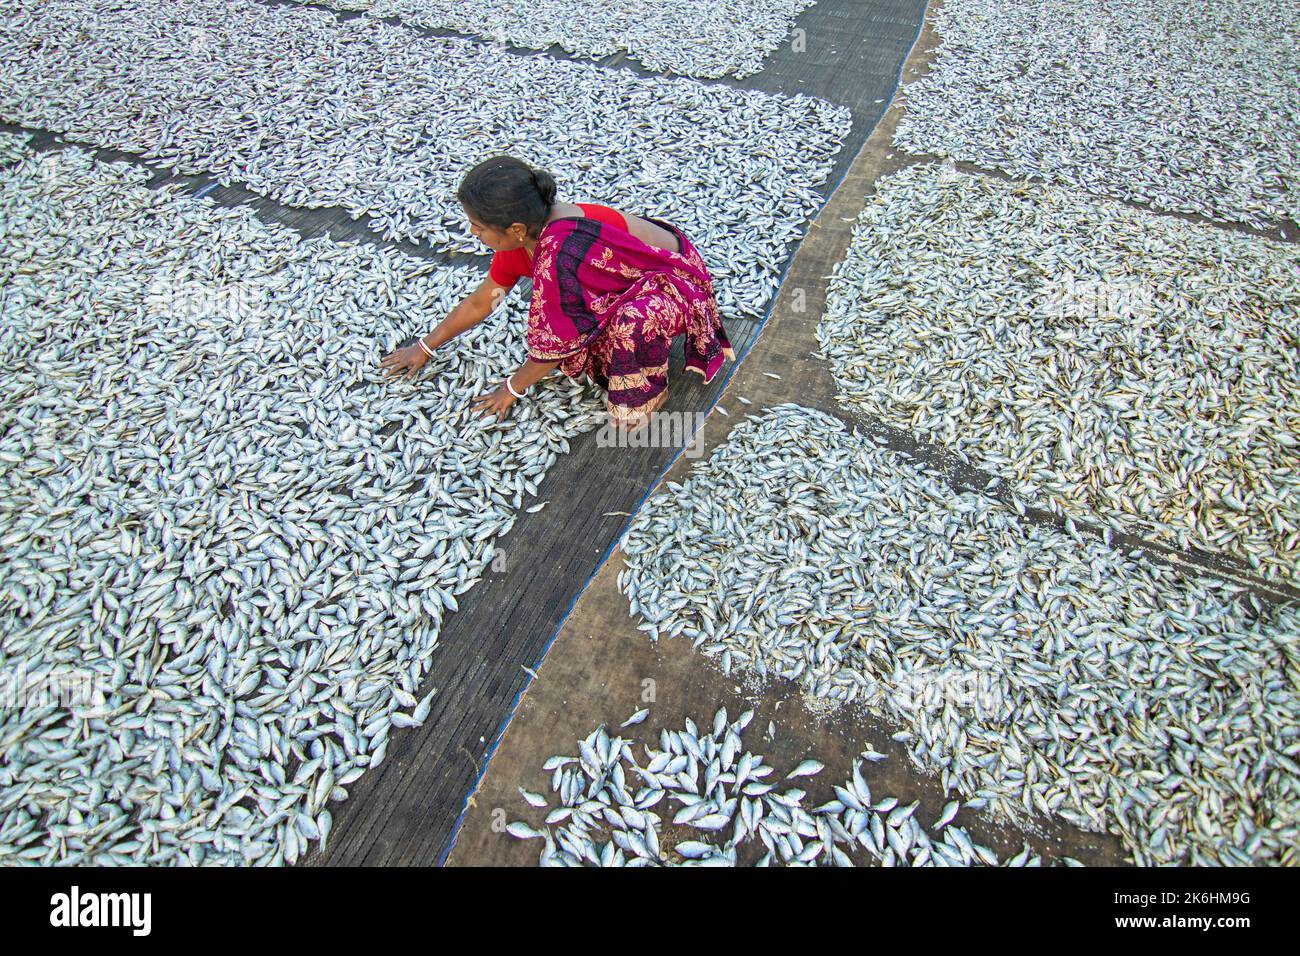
x,y
406,361
495,403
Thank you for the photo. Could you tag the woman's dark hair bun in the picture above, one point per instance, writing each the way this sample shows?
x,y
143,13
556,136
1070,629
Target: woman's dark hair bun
x,y
545,183
502,191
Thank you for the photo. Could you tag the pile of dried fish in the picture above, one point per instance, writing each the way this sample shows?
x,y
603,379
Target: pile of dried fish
x,y
382,122
705,38
221,526
13,146
1111,364
606,815
1038,670
1188,107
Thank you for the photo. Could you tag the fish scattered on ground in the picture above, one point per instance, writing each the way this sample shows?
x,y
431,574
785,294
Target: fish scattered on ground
x,y
374,118
1036,673
229,543
13,147
1187,107
1114,365
612,809
703,38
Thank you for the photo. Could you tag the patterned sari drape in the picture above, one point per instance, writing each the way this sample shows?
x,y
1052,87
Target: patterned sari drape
x,y
609,305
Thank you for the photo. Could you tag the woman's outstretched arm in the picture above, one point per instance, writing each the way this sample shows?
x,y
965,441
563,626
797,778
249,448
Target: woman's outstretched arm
x,y
472,310
498,403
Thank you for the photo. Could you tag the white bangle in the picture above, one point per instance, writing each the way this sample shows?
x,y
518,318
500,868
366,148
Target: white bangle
x,y
511,389
424,348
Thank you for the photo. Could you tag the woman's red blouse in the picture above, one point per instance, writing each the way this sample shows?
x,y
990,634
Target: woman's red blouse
x,y
509,267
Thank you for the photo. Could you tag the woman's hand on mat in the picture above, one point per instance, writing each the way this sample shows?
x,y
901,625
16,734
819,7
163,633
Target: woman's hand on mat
x,y
495,403
406,361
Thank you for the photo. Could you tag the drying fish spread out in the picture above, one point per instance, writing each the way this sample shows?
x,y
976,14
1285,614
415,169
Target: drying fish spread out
x,y
1188,107
375,119
222,529
1042,672
704,38
1108,363
230,544
13,146
612,809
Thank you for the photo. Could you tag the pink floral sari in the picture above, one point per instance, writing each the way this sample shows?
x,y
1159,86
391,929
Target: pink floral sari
x,y
608,305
